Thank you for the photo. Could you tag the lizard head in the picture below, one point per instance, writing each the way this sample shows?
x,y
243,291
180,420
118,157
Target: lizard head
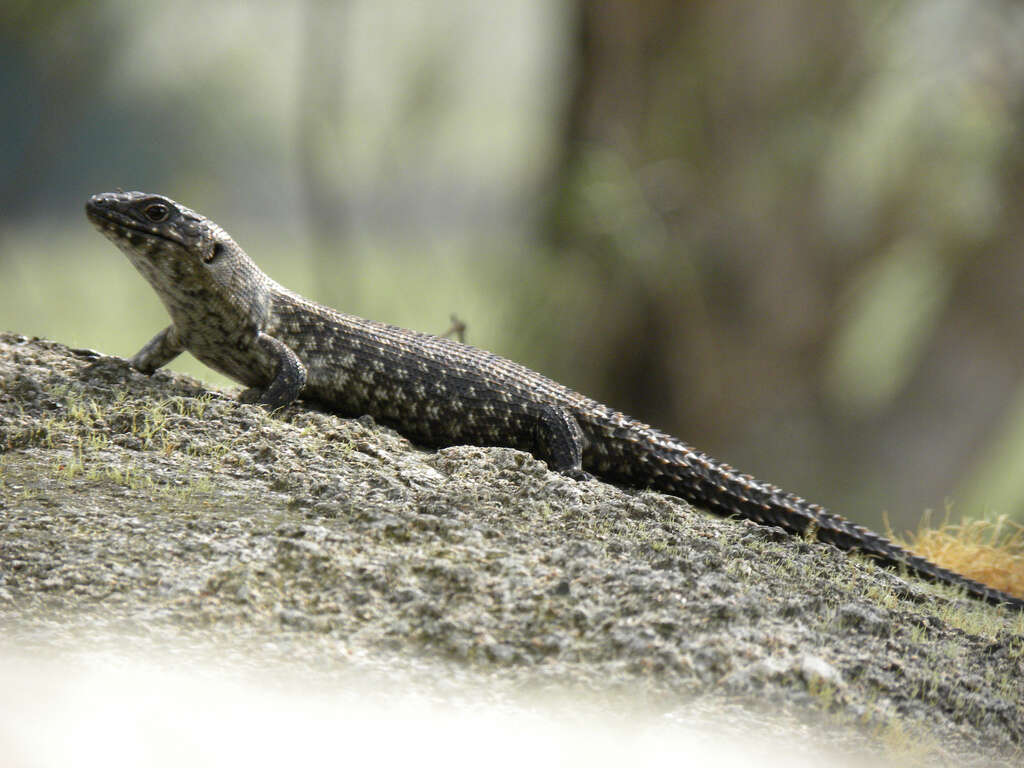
x,y
154,230
187,258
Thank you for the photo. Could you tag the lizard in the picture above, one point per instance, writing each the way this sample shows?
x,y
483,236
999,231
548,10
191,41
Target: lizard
x,y
435,391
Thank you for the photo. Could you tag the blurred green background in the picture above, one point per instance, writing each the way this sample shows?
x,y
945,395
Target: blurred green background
x,y
789,233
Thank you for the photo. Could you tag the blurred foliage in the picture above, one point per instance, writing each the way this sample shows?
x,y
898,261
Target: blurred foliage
x,y
889,311
792,202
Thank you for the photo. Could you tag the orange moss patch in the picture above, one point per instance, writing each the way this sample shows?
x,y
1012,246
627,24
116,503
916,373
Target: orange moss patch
x,y
989,551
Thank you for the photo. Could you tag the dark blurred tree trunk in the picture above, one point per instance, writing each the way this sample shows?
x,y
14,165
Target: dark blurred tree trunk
x,y
663,122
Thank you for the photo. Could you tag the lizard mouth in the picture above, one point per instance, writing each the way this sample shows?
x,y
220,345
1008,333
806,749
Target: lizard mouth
x,y
103,212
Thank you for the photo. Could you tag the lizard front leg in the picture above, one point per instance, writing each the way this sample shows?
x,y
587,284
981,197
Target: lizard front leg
x,y
158,352
289,373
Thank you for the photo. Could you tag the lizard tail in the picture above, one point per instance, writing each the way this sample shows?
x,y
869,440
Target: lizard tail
x,y
668,465
725,491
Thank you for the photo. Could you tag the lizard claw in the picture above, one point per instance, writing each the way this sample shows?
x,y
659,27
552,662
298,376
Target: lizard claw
x,y
580,475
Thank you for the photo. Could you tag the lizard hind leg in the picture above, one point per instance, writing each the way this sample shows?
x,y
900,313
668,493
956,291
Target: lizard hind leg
x,y
558,440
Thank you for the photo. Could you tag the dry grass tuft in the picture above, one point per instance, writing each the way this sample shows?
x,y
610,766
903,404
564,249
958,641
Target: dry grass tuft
x,y
989,551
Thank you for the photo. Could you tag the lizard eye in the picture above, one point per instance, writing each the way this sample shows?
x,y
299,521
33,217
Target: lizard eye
x,y
157,212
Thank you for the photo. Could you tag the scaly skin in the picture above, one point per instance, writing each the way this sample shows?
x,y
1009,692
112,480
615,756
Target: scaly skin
x,y
437,392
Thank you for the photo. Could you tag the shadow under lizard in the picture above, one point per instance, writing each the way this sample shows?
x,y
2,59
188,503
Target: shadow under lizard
x,y
435,391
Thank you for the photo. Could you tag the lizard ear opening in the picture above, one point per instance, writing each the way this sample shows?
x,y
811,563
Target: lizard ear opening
x,y
214,253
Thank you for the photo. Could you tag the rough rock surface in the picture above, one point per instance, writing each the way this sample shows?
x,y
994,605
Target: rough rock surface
x,y
142,510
